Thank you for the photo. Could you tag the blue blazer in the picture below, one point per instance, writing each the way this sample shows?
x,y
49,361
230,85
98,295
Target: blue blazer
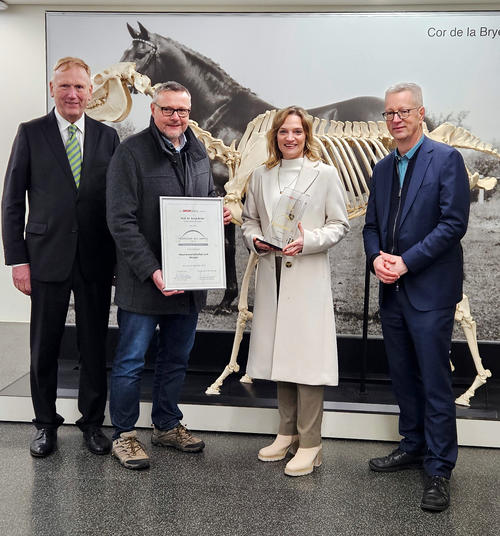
x,y
433,220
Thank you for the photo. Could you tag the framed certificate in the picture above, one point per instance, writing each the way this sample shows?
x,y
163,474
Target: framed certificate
x,y
192,243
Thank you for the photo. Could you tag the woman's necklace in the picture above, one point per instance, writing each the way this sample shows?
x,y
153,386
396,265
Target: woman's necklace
x,y
292,181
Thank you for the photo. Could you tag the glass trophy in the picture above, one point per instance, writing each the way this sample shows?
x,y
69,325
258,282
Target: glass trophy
x,y
283,228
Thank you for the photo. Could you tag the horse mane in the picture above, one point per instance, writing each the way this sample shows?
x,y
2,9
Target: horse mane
x,y
213,68
210,65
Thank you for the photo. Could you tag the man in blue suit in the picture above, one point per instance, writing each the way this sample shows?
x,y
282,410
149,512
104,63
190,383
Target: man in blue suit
x,y
417,213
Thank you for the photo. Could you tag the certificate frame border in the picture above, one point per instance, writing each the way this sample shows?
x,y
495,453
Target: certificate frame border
x,y
164,201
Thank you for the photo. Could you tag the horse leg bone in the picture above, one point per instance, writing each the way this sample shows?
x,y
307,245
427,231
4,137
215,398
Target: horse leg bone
x,y
464,398
231,291
246,379
468,324
243,316
463,315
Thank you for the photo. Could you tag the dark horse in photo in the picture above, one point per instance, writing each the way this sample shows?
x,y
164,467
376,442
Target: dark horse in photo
x,y
223,107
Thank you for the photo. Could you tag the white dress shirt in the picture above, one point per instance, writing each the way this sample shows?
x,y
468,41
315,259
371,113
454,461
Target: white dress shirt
x,y
63,125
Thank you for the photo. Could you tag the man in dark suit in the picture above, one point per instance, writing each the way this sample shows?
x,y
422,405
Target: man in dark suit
x,y
417,214
60,161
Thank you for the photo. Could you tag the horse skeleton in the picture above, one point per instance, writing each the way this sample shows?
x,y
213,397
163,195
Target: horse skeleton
x,y
352,147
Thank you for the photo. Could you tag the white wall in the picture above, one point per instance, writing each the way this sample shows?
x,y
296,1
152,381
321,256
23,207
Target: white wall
x,y
22,83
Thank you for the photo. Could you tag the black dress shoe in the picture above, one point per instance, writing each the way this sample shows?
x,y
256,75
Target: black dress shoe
x,y
45,442
436,495
96,441
397,460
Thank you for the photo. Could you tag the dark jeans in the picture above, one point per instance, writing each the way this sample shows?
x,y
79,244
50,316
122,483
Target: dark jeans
x,y
175,341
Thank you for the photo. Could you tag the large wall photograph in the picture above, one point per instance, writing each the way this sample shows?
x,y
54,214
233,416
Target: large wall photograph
x,y
335,65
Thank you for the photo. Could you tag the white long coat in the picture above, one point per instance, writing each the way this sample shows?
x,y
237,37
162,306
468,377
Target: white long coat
x,y
293,338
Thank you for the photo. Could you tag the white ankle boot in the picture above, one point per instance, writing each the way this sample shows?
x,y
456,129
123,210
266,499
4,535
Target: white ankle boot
x,y
278,448
304,461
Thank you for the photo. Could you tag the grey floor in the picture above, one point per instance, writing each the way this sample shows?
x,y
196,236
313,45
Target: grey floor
x,y
226,491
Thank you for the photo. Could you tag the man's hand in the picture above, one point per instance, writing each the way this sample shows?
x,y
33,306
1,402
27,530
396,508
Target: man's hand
x,y
157,278
21,276
227,216
384,271
295,247
394,263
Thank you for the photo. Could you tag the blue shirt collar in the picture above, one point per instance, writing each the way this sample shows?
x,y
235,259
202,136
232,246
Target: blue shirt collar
x,y
412,151
171,146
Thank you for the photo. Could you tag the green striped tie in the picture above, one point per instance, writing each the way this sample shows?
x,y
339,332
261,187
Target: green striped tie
x,y
74,154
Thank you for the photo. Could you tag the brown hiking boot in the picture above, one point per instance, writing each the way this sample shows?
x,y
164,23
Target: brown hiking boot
x,y
129,451
179,437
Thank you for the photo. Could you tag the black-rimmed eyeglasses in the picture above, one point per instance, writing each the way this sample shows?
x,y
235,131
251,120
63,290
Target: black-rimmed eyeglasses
x,y
402,114
168,112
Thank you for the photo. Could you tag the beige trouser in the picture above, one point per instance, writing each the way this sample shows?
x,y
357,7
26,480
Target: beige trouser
x,y
301,411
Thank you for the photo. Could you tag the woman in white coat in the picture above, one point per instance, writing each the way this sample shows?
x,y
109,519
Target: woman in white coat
x,y
293,340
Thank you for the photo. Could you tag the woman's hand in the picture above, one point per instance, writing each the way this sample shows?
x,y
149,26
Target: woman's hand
x,y
295,247
260,246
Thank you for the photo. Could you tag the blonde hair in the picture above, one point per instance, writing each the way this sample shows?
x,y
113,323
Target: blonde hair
x,y
69,61
311,147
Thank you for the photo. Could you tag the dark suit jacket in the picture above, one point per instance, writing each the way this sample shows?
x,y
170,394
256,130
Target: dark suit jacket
x,y
433,220
62,219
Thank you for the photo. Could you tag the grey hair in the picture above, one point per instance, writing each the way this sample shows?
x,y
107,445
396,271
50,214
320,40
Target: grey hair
x,y
169,86
414,89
